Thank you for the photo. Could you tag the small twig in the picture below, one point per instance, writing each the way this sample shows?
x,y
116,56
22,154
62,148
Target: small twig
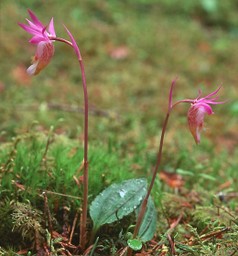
x,y
47,213
171,229
175,224
155,247
79,170
171,244
217,233
73,226
60,194
229,213
169,232
77,181
123,252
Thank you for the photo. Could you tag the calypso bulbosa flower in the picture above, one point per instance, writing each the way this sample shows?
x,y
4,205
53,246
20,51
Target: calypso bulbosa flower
x,y
41,37
197,111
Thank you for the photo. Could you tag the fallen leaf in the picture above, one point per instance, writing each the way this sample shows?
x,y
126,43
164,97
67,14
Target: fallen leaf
x,y
173,180
225,185
20,186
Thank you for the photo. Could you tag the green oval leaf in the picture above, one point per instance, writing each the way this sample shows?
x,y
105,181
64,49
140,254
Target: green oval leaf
x,y
148,225
117,201
134,244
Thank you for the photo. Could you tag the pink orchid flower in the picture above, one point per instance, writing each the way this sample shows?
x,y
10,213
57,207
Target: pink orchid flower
x,y
199,108
41,37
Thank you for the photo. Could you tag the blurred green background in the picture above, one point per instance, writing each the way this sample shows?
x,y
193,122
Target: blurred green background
x,y
132,50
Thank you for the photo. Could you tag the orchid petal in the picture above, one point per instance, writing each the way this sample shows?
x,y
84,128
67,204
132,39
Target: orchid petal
x,y
51,28
37,29
26,28
36,39
205,108
32,69
35,19
213,93
34,26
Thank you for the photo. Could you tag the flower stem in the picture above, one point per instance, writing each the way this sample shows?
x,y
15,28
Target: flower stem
x,y
85,174
145,201
155,171
83,222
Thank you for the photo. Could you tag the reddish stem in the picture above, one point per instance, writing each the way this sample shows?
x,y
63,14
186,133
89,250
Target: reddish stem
x,y
85,160
155,171
85,174
145,201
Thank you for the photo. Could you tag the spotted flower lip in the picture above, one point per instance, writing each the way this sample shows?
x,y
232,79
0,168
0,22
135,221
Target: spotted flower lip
x,y
196,113
43,55
41,37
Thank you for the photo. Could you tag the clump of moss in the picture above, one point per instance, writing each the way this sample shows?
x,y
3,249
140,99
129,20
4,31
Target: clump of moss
x,y
22,224
28,222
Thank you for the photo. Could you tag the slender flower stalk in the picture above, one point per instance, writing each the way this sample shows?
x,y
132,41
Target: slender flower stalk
x,y
44,39
159,157
199,107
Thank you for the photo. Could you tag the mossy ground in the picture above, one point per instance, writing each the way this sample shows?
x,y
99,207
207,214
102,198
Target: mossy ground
x,y
132,50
